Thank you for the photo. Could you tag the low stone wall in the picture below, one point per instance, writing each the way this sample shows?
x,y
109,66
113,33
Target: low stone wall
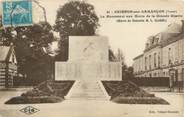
x,y
88,71
151,81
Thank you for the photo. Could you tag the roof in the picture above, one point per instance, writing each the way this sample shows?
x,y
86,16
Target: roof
x,y
173,28
137,57
4,52
172,40
172,31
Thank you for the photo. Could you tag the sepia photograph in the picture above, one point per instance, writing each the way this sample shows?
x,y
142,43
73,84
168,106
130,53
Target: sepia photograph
x,y
92,58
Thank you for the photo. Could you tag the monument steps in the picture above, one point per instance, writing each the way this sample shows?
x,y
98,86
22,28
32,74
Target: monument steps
x,y
90,90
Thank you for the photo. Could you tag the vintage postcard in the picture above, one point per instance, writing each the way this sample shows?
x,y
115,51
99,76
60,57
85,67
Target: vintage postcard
x,y
91,58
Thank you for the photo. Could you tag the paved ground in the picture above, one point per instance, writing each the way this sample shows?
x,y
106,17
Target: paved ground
x,y
92,108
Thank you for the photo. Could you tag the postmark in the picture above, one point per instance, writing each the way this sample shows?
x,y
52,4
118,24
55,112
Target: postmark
x,y
17,13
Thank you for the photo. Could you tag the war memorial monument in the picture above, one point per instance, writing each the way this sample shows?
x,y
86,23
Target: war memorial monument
x,y
88,65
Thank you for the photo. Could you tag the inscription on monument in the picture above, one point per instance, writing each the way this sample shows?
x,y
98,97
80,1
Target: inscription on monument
x,y
88,48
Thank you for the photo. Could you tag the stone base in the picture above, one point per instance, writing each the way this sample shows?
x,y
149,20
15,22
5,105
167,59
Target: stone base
x,y
88,71
88,90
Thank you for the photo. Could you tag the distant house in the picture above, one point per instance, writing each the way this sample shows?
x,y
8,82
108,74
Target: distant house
x,y
8,66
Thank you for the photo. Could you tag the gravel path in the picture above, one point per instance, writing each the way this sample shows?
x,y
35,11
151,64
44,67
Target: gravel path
x,y
93,108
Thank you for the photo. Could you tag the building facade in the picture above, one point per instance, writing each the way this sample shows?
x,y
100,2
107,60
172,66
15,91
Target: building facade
x,y
163,55
8,66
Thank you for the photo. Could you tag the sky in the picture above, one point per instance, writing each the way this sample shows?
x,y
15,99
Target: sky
x,y
129,37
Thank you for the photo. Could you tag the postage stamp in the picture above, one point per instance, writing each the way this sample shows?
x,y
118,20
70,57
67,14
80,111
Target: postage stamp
x,y
17,13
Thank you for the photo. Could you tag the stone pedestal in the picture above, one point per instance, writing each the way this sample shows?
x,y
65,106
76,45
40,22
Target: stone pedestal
x,y
90,90
88,64
88,71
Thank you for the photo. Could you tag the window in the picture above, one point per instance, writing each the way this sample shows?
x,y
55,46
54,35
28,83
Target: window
x,y
147,45
155,64
150,75
150,62
157,39
152,41
158,60
145,63
155,74
169,56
